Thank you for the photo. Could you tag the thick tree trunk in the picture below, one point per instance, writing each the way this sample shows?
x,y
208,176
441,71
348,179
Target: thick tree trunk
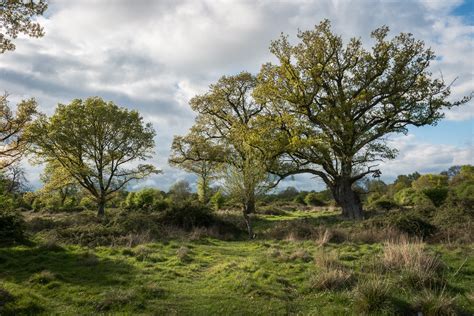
x,y
101,205
247,209
347,199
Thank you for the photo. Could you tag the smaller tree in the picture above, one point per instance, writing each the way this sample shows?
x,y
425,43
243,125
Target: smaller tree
x,y
58,181
180,190
194,154
244,182
95,142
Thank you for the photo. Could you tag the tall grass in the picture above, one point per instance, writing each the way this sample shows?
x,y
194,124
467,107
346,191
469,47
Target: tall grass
x,y
411,258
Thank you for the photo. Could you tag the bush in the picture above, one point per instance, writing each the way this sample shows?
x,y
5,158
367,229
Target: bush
x,y
383,203
188,214
411,223
146,200
300,198
405,196
12,226
88,203
137,222
313,199
436,195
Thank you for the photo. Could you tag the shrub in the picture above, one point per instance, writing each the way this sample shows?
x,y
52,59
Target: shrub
x,y
411,223
372,296
91,234
436,195
136,222
147,199
332,279
383,203
88,203
405,196
188,214
12,226
313,199
430,303
300,198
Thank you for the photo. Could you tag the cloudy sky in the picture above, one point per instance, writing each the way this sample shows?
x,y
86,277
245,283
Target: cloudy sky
x,y
154,56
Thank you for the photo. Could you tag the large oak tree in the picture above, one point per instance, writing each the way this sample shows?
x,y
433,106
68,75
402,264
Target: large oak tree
x,y
334,104
96,142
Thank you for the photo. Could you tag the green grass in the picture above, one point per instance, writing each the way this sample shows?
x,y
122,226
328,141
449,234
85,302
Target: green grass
x,y
210,277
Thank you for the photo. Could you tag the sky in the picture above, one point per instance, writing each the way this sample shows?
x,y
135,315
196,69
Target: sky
x,y
154,56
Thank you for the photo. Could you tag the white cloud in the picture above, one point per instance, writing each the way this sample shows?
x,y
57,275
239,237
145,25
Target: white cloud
x,y
155,55
415,155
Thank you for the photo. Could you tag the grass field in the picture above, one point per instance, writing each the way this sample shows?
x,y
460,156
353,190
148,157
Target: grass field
x,y
266,276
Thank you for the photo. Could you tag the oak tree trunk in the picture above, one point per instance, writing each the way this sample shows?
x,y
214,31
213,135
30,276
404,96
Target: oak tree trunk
x,y
101,206
347,199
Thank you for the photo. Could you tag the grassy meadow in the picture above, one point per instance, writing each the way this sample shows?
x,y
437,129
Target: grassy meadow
x,y
303,262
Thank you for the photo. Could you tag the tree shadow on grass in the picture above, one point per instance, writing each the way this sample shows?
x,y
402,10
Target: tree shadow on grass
x,y
19,264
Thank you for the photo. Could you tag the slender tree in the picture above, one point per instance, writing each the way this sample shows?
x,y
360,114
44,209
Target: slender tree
x,y
226,115
95,142
335,104
194,154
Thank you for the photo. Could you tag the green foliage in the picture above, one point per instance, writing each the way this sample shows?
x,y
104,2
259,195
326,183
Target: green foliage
x,y
88,202
436,195
313,199
13,123
405,196
12,226
429,181
411,223
180,191
147,199
382,203
94,141
300,198
188,214
344,99
217,200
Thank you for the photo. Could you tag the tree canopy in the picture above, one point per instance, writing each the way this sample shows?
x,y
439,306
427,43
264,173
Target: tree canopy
x,y
17,17
96,142
334,104
12,125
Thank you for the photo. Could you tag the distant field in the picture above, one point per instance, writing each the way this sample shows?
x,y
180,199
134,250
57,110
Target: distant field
x,y
205,276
